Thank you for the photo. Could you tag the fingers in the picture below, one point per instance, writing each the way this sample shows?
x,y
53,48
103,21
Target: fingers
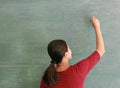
x,y
93,18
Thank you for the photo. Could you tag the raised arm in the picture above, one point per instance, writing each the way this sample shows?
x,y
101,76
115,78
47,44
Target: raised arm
x,y
99,39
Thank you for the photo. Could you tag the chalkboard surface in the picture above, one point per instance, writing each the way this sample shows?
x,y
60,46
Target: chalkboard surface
x,y
27,26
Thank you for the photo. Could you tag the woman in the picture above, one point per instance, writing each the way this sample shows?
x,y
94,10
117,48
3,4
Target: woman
x,y
60,74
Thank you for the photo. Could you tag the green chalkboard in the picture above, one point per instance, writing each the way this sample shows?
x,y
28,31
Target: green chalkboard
x,y
27,26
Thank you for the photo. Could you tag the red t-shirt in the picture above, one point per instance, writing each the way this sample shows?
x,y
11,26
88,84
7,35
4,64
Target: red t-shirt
x,y
75,75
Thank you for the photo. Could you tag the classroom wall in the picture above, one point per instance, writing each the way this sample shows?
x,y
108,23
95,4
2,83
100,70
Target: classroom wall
x,y
27,26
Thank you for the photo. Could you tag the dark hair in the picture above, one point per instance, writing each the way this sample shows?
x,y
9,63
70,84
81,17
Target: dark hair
x,y
56,50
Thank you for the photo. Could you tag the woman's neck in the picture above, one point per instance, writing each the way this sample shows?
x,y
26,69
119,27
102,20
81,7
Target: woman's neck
x,y
62,67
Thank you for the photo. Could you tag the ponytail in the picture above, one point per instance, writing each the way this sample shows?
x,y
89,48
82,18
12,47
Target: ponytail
x,y
56,50
50,76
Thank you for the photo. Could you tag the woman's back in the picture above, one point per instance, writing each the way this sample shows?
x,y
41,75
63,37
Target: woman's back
x,y
75,75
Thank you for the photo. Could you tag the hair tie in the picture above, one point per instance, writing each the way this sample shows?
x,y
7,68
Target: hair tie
x,y
53,62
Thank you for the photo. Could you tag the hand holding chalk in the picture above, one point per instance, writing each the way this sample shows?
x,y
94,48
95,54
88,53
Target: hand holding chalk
x,y
95,22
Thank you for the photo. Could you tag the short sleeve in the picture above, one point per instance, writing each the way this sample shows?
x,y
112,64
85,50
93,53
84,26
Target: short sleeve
x,y
87,64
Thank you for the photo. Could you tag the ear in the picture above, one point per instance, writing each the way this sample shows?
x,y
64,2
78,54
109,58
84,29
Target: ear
x,y
66,54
